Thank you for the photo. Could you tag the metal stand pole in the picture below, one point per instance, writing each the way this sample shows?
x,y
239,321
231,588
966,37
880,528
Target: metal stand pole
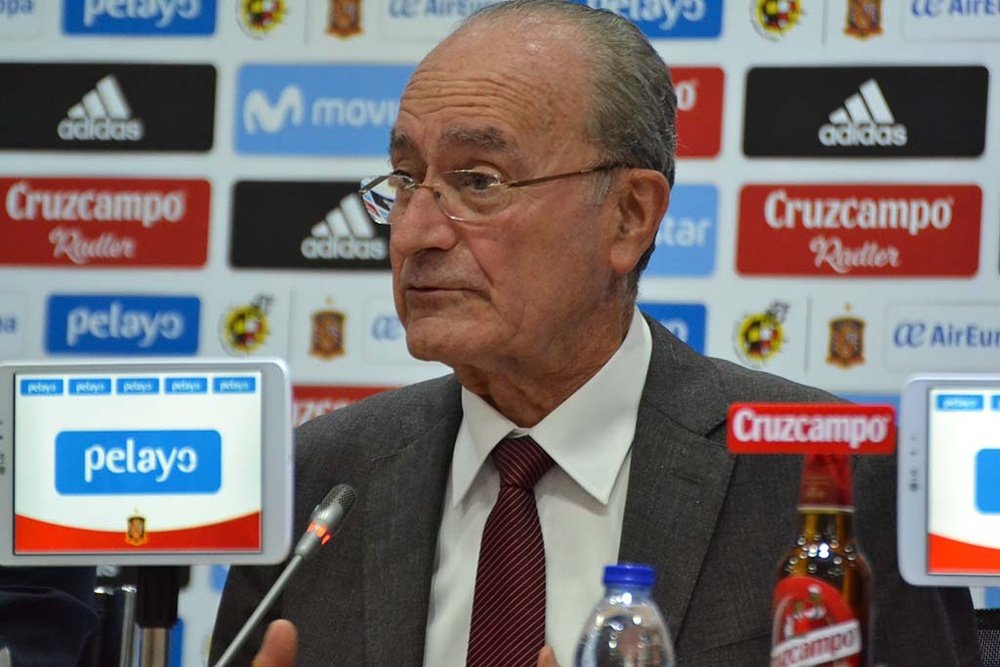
x,y
156,615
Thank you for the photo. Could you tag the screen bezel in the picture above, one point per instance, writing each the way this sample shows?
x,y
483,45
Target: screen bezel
x,y
912,491
276,460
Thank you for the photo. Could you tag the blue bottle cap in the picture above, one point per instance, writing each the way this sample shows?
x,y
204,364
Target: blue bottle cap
x,y
629,574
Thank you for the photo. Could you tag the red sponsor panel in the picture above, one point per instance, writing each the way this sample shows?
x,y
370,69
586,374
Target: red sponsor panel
x,y
699,110
239,534
101,222
811,428
851,230
948,556
309,401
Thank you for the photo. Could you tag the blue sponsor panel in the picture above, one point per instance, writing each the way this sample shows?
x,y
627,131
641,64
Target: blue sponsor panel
x,y
684,320
668,19
142,18
234,385
685,243
119,462
959,403
988,481
318,109
122,324
41,387
138,386
90,387
186,385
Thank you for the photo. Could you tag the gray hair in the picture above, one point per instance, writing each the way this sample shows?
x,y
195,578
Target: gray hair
x,y
632,95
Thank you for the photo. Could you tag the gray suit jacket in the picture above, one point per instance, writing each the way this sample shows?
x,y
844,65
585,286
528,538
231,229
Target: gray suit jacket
x,y
713,525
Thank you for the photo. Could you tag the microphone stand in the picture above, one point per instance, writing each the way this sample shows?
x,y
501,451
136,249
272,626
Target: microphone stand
x,y
156,612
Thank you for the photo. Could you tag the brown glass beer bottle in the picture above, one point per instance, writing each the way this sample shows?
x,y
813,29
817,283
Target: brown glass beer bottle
x,y
822,601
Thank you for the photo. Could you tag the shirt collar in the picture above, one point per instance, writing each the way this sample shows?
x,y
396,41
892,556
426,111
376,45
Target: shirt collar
x,y
588,435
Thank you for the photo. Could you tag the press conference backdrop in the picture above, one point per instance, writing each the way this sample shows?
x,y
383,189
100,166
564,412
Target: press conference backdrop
x,y
178,177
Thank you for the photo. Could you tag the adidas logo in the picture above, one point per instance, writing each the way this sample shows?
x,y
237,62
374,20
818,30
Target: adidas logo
x,y
864,120
346,233
102,115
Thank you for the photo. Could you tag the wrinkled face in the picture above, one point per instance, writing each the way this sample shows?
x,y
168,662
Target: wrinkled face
x,y
511,100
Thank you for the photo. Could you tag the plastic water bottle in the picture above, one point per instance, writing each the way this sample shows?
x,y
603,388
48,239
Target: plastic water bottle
x,y
626,628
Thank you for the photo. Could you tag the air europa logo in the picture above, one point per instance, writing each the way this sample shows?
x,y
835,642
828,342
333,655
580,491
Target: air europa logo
x,y
819,428
19,18
859,230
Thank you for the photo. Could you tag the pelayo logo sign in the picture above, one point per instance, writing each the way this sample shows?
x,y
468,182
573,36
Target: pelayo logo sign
x,y
865,111
104,222
139,17
107,107
117,462
668,19
859,230
318,109
122,324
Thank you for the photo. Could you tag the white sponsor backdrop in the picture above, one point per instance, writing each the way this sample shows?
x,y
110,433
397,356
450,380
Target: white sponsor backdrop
x,y
362,297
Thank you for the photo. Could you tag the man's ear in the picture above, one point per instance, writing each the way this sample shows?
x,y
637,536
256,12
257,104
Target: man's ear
x,y
643,195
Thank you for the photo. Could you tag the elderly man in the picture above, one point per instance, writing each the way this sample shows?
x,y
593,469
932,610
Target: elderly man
x,y
532,162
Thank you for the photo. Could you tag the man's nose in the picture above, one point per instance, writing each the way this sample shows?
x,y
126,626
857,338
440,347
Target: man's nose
x,y
422,224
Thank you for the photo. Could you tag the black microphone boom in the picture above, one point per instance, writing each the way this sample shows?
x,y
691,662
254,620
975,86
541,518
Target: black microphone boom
x,y
323,524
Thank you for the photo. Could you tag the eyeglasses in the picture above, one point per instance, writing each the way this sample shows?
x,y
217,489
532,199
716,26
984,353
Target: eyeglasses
x,y
464,195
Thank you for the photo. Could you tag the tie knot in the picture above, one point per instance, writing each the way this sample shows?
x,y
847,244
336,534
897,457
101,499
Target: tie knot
x,y
521,462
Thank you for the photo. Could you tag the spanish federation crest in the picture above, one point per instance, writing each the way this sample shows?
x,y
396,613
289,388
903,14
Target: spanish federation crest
x,y
761,336
774,18
344,18
245,328
259,17
864,18
847,342
327,334
135,530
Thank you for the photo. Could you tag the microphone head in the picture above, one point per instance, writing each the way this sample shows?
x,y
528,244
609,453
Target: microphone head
x,y
336,504
325,519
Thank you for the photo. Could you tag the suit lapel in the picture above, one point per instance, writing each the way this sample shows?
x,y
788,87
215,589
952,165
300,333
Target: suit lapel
x,y
678,477
403,508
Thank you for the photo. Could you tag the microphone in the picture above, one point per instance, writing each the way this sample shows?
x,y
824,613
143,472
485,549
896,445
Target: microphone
x,y
324,521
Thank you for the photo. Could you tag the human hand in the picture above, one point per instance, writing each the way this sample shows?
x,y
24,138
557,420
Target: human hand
x,y
547,657
279,646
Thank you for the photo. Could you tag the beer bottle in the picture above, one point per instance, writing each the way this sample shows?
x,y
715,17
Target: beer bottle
x,y
822,601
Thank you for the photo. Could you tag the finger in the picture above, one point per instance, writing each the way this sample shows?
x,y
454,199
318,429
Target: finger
x,y
279,646
547,657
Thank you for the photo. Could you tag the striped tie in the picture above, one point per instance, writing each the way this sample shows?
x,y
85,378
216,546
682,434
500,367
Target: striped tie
x,y
508,609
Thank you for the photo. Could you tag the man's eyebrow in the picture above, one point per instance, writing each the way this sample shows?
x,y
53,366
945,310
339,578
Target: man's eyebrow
x,y
488,139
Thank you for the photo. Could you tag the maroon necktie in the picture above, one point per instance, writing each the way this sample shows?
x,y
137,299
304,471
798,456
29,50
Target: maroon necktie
x,y
508,609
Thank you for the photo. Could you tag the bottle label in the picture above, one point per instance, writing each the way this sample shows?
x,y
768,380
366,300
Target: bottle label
x,y
813,625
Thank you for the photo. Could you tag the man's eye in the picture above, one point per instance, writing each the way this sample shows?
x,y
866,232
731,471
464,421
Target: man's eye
x,y
475,181
401,180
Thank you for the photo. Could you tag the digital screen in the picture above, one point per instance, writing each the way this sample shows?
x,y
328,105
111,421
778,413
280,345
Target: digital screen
x,y
123,462
963,512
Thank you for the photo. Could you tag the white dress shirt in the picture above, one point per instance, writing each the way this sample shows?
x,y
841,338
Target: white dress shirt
x,y
581,502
